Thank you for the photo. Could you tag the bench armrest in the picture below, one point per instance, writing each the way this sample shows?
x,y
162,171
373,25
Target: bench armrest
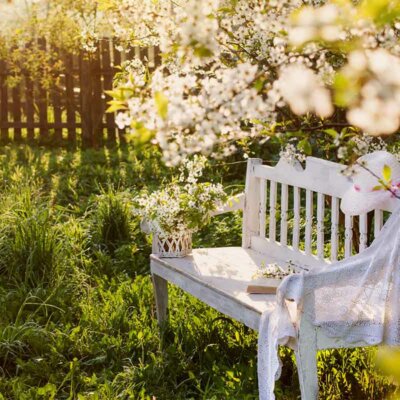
x,y
233,204
145,226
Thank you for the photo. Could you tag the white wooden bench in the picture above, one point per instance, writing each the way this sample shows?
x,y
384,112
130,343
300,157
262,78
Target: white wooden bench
x,y
219,276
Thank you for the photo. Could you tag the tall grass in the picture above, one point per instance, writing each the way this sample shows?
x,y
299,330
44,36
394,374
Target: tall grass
x,y
29,244
111,220
77,314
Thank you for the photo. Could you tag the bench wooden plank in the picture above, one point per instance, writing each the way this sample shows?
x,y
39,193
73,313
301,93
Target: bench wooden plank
x,y
219,277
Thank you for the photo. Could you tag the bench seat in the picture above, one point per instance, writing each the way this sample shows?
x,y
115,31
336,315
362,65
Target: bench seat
x,y
219,277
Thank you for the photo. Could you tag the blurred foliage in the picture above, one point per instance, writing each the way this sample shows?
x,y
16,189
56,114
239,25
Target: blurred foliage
x,y
33,44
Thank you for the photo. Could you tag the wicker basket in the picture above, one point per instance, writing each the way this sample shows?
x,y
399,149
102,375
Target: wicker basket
x,y
179,245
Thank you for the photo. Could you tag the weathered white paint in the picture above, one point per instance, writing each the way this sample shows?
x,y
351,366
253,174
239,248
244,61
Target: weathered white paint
x,y
272,210
263,206
284,214
378,221
309,221
296,216
348,234
251,211
363,231
220,276
320,225
334,229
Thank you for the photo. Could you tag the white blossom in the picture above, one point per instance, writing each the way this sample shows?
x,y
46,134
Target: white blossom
x,y
230,68
376,110
123,120
312,23
302,89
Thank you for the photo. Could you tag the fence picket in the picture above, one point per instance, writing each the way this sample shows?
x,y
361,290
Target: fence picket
x,y
3,102
77,102
97,101
42,104
57,109
107,85
16,112
117,63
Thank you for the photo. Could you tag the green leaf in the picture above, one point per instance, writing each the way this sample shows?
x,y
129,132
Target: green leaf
x,y
381,11
202,51
237,336
161,104
386,173
49,389
331,132
305,146
116,105
140,134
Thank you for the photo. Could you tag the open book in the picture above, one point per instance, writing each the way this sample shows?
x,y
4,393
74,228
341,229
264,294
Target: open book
x,y
263,285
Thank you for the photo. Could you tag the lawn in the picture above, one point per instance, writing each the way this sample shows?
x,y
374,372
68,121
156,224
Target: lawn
x,y
77,314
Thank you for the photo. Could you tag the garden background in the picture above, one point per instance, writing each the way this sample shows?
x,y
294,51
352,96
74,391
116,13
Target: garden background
x,y
77,313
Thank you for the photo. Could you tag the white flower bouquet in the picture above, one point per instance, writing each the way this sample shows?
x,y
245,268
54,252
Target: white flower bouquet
x,y
180,208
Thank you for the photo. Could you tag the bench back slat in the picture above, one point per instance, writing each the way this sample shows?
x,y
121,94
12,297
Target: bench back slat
x,y
363,231
320,225
378,221
263,206
272,209
309,221
348,235
296,218
294,213
284,214
251,211
335,229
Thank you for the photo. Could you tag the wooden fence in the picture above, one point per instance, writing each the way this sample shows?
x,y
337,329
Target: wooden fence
x,y
74,110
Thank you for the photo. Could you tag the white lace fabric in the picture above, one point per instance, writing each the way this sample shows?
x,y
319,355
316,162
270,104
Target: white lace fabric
x,y
356,300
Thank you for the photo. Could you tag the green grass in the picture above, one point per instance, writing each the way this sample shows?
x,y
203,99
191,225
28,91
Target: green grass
x,y
77,316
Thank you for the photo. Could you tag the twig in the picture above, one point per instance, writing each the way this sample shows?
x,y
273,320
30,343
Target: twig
x,y
387,187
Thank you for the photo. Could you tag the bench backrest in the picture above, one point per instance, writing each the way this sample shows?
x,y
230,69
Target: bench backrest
x,y
293,213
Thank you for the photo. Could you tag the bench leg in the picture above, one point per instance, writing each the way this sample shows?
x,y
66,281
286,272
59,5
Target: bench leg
x,y
306,359
161,295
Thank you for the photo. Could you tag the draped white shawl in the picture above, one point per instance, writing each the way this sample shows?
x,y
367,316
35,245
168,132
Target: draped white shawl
x,y
357,299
